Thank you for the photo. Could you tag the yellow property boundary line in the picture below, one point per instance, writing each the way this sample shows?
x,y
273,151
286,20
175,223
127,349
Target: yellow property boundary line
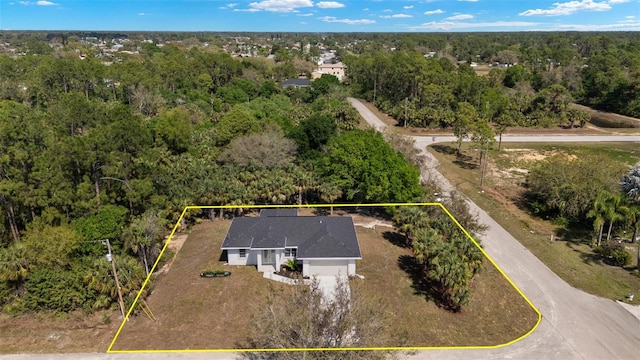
x,y
412,348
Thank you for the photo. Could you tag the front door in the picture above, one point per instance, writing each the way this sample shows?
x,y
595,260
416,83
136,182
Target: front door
x,y
268,257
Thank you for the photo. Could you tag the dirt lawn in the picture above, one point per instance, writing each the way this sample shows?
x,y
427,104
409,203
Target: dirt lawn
x,y
194,312
205,313
495,315
47,334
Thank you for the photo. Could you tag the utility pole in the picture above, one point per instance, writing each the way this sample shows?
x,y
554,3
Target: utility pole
x,y
405,111
115,274
484,165
375,86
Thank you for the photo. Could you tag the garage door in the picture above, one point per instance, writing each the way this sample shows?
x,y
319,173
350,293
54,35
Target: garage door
x,y
328,267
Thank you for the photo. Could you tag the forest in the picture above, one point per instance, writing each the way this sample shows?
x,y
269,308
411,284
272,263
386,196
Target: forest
x,y
536,76
91,150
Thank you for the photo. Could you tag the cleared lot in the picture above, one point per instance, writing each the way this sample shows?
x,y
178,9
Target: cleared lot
x,y
201,313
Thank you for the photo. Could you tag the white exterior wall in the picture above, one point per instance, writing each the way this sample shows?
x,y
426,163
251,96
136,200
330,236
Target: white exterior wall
x,y
351,268
327,267
233,257
279,260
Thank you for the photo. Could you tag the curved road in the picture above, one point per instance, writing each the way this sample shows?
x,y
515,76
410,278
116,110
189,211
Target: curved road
x,y
575,325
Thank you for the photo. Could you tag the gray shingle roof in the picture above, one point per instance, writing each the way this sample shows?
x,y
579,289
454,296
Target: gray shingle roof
x,y
314,236
296,82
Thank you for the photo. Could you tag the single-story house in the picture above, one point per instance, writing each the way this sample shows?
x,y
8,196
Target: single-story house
x,y
324,245
297,83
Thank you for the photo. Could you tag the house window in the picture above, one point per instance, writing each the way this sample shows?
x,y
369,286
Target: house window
x,y
290,252
243,253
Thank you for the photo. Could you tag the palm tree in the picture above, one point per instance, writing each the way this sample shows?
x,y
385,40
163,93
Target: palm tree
x,y
615,211
424,242
607,207
598,212
329,192
410,219
14,265
630,183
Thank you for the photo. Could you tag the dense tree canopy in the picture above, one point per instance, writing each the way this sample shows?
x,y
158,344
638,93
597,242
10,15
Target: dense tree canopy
x,y
94,151
367,167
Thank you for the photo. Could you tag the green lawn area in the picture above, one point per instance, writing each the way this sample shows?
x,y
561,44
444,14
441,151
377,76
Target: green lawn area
x,y
573,260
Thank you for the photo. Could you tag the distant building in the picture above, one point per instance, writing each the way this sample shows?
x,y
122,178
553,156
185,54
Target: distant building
x,y
296,83
336,70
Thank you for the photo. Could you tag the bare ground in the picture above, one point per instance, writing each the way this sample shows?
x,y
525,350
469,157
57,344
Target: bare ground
x,y
197,313
48,334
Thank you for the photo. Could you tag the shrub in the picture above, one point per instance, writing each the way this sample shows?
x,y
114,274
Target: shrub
x,y
291,264
621,257
614,252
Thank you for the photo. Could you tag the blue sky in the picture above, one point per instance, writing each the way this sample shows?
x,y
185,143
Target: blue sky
x,y
321,16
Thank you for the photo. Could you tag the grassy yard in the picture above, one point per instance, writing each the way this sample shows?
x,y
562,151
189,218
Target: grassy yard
x,y
572,259
197,313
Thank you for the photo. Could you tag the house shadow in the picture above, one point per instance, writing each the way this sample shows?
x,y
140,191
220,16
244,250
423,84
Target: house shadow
x,y
223,256
422,286
397,239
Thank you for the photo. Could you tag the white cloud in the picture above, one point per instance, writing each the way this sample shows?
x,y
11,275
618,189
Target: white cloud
x,y
228,6
280,5
629,17
307,14
434,12
618,1
329,5
246,10
451,25
396,16
333,19
40,3
467,0
408,7
620,26
365,9
459,17
568,8
387,10
143,14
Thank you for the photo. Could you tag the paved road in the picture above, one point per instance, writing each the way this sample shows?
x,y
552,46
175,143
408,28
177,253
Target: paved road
x,y
575,325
